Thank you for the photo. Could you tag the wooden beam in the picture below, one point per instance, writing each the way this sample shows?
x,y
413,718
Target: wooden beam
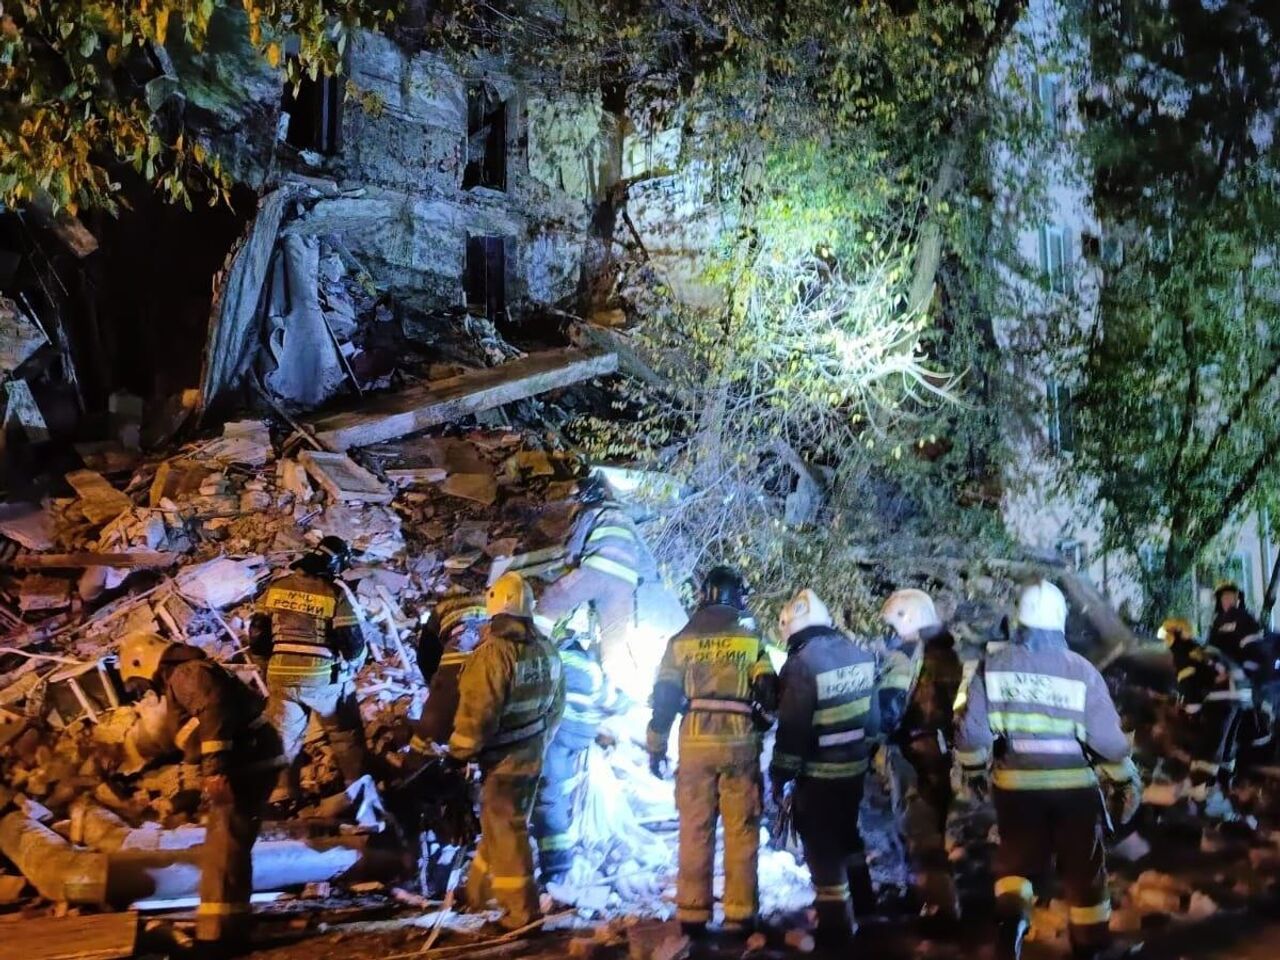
x,y
99,936
124,560
392,415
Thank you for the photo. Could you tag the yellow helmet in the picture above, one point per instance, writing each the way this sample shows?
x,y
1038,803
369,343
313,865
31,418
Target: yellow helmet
x,y
803,610
140,654
1175,627
510,594
909,612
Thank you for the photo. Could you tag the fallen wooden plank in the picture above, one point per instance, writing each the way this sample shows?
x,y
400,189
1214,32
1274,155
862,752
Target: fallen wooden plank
x,y
99,500
125,560
98,936
344,479
395,415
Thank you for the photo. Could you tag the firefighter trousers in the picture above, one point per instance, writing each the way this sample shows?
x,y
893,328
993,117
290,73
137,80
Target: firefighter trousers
x,y
553,810
718,784
334,705
1039,827
226,857
503,866
919,777
1215,733
826,815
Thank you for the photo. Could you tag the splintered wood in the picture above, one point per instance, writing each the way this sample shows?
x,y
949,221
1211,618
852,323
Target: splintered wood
x,y
408,411
99,500
344,479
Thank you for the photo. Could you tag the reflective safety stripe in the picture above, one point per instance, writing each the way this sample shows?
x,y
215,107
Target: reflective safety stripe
x,y
836,892
788,762
1015,886
304,649
605,532
418,745
738,912
972,758
1084,916
509,883
214,908
1186,672
1244,696
1122,772
716,705
896,680
693,914
1193,707
555,841
852,710
612,568
465,742
1251,638
834,771
1068,779
1054,745
1005,722
214,746
846,736
1204,766
518,734
456,656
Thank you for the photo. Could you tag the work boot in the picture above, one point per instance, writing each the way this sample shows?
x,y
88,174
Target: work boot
x,y
1105,951
861,890
1009,936
693,929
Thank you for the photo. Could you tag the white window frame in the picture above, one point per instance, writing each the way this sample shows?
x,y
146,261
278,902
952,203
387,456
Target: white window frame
x,y
1055,258
1049,102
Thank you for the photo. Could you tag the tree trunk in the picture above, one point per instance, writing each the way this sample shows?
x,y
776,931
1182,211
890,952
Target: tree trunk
x,y
1269,596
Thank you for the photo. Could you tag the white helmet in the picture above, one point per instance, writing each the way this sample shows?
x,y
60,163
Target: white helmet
x,y
1041,606
140,654
803,610
909,612
510,595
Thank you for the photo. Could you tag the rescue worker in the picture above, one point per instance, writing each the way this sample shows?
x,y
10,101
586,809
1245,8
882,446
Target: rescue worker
x,y
220,721
1212,693
1241,638
828,719
608,562
717,672
921,677
445,644
307,627
1042,717
511,698
589,698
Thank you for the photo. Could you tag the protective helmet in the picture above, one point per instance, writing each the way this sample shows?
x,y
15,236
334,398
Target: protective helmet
x,y
509,595
1175,628
909,612
593,489
723,585
803,610
1041,606
140,654
330,557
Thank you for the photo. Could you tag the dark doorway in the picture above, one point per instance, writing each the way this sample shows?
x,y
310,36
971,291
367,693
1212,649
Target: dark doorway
x,y
315,114
486,139
486,276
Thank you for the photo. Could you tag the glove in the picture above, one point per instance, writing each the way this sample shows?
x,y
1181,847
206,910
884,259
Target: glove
x,y
217,790
659,765
1124,797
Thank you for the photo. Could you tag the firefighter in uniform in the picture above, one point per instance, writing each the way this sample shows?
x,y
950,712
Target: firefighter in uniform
x,y
588,699
1241,638
1212,693
920,679
828,718
445,644
608,563
1042,717
221,723
511,698
307,627
717,672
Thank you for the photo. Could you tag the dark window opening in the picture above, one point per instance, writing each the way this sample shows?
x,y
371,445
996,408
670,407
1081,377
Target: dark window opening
x,y
315,114
485,282
1062,417
486,139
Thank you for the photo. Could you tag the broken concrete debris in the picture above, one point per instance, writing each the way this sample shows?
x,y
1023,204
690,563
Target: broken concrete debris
x,y
343,479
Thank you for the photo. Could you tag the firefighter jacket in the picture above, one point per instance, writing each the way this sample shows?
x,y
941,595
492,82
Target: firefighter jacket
x,y
589,697
828,711
1204,675
717,672
604,539
1043,717
1238,635
511,693
900,668
227,714
307,626
930,700
450,633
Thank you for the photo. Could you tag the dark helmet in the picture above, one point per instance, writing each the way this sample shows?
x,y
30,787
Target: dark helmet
x,y
1227,586
594,489
723,585
330,557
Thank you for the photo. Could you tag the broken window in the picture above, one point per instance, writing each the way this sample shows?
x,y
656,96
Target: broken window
x,y
1055,259
1050,103
486,139
485,280
315,114
1062,431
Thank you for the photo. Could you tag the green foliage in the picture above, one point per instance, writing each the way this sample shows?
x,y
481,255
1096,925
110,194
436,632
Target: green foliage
x,y
71,111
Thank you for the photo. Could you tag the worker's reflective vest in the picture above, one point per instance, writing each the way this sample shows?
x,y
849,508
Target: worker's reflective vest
x,y
717,671
1205,675
589,696
605,540
1042,715
828,711
314,629
511,692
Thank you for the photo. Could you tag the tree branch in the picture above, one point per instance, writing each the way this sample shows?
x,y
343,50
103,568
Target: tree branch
x,y
1246,398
